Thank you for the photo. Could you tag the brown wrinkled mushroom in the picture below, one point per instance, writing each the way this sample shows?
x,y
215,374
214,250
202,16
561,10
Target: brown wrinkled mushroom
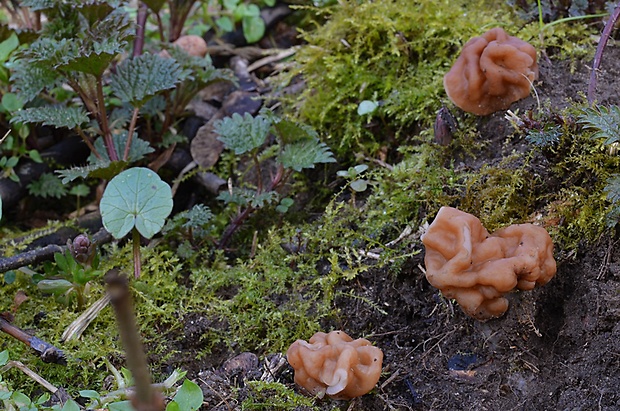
x,y
476,268
336,365
492,72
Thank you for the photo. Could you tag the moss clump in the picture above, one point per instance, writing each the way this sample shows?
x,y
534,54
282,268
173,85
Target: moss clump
x,y
391,51
275,396
396,53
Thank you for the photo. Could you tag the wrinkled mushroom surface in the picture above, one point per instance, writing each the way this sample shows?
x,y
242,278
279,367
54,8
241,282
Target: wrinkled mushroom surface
x,y
492,72
336,365
477,268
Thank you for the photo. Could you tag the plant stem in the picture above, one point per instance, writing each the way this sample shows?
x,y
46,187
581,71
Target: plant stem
x,y
598,56
137,263
281,176
103,121
145,397
132,127
88,143
138,43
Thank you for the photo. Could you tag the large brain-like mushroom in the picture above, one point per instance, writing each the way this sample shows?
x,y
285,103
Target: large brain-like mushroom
x,y
336,365
477,268
492,72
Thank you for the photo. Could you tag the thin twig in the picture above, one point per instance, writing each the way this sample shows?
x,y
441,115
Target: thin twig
x,y
47,352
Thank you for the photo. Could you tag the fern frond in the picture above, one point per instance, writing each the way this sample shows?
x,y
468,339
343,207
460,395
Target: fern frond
x,y
605,121
305,154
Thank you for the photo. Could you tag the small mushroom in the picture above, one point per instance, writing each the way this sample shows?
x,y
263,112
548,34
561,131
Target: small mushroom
x,y
492,72
336,365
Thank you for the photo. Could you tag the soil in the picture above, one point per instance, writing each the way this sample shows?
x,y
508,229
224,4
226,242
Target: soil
x,y
557,347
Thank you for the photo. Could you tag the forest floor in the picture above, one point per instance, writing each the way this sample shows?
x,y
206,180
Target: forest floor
x,y
557,347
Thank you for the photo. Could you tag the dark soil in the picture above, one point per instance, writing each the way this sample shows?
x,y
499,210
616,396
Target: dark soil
x,y
557,347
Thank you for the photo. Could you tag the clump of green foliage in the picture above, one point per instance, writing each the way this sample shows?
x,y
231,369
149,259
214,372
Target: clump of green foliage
x,y
394,55
568,182
275,396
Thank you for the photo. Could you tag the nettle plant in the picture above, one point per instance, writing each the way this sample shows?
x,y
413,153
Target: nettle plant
x,y
79,49
294,147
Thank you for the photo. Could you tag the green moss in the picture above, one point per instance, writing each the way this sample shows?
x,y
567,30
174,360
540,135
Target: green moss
x,y
266,396
501,194
393,51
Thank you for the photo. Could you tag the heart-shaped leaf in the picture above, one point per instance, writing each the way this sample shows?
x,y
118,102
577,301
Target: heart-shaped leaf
x,y
136,198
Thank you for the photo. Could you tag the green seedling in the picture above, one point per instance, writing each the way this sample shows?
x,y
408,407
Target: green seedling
x,y
72,271
296,147
136,200
353,176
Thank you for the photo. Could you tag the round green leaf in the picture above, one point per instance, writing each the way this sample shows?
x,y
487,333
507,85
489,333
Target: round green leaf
x,y
135,198
359,185
253,28
189,397
367,107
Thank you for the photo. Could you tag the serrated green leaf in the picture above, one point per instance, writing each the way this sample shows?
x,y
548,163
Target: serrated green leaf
x,y
605,121
48,185
189,397
136,198
138,149
242,134
140,78
305,154
56,116
30,78
238,196
36,5
104,170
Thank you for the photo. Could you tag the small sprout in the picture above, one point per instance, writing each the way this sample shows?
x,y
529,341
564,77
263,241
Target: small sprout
x,y
352,174
284,205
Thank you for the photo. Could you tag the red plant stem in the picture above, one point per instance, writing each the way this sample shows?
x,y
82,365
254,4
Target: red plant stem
x,y
145,397
138,43
103,120
137,263
598,56
132,127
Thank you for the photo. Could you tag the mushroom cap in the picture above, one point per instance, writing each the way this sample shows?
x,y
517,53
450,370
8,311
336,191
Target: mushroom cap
x,y
492,72
336,365
477,269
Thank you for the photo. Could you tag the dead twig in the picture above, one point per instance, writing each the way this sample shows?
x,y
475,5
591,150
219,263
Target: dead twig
x,y
47,352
